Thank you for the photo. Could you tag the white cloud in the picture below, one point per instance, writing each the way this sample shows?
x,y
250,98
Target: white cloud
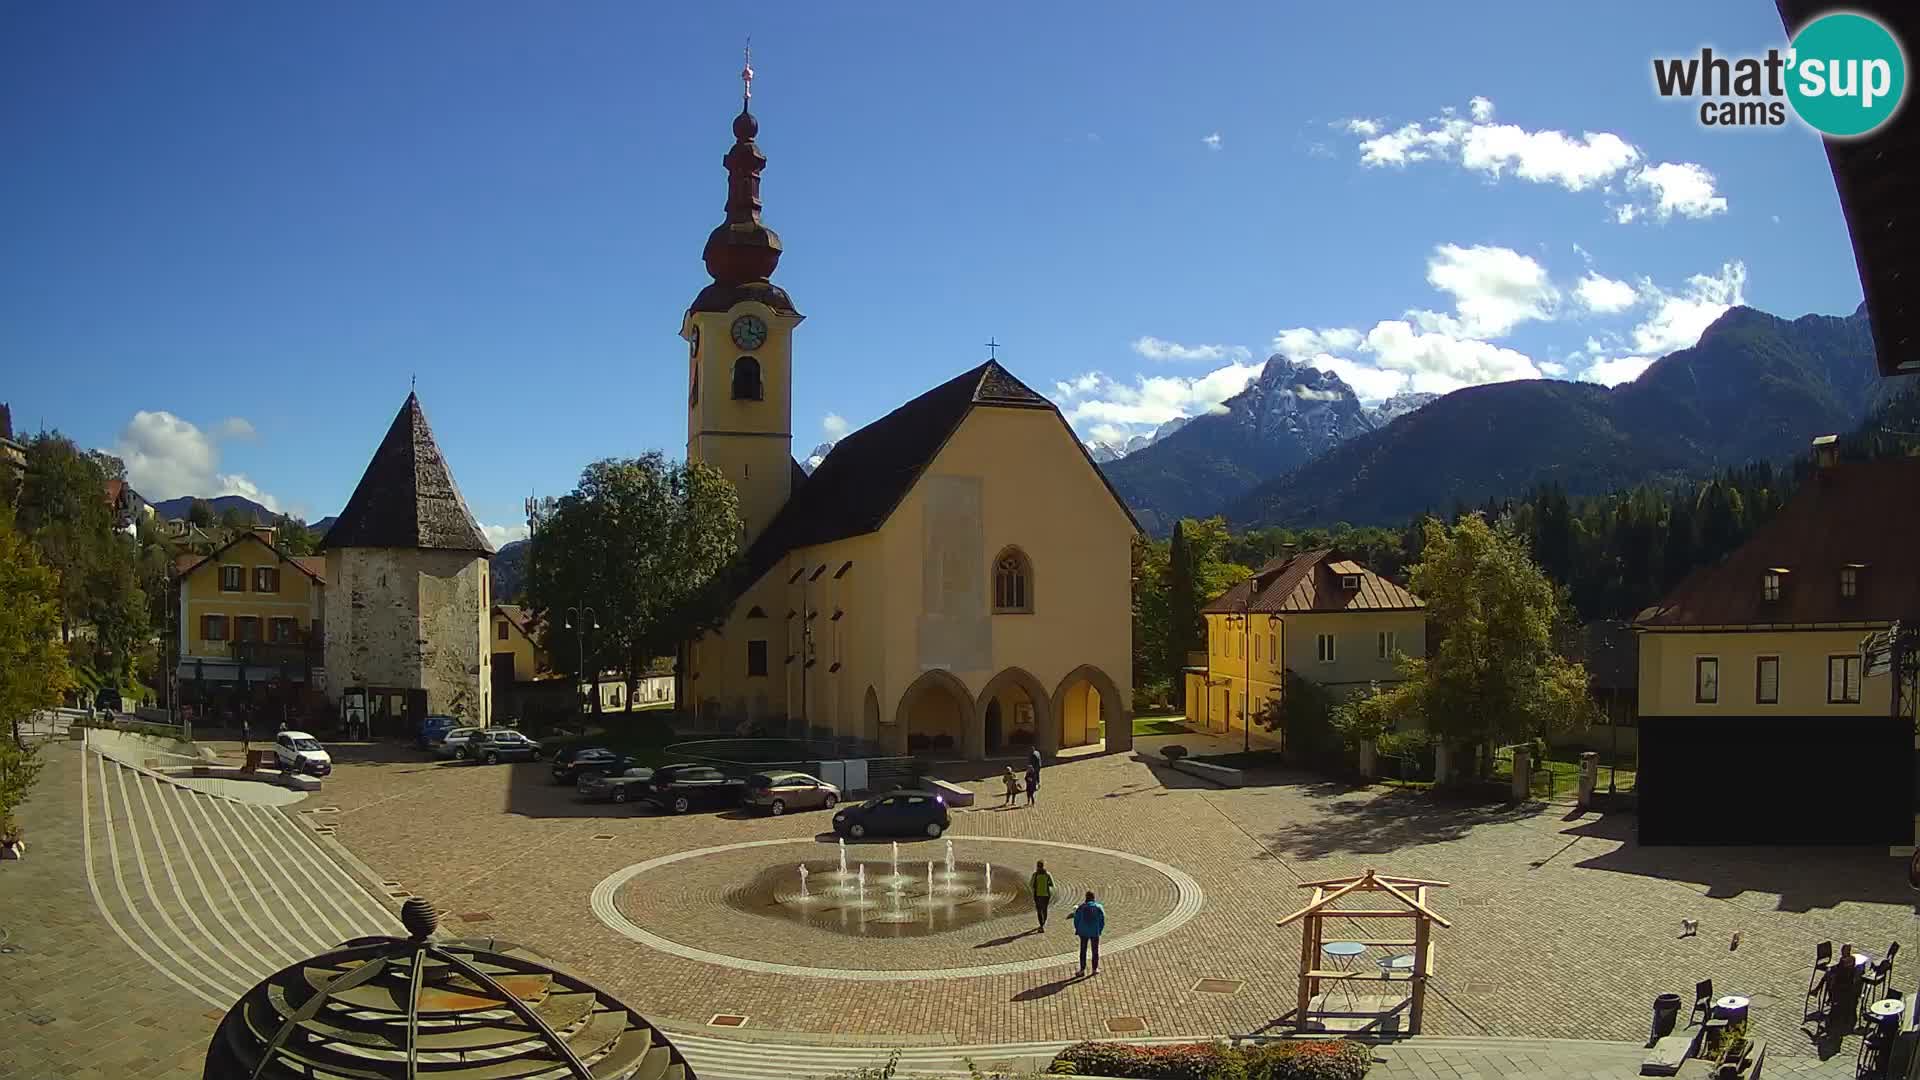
x,y
1301,343
168,457
1544,156
1604,295
835,426
1441,362
1212,141
1154,348
1776,219
1677,319
1369,383
1682,188
1614,371
1551,369
1095,399
502,535
1494,289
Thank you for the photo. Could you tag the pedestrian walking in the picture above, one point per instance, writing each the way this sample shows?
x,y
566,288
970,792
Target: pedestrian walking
x,y
1033,760
1089,922
246,736
1042,887
1033,784
1012,783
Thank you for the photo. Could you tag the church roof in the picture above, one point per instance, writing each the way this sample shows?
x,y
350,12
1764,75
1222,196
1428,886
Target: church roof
x,y
868,473
407,498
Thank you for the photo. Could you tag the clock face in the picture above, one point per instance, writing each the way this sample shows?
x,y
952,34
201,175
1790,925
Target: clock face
x,y
749,332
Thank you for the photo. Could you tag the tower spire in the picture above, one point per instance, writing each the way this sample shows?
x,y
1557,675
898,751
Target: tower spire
x,y
743,249
746,77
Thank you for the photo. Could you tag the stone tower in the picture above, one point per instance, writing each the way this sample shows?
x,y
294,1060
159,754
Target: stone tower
x,y
408,586
739,334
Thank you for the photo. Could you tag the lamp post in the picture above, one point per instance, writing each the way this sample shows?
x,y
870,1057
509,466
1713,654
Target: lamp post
x,y
578,619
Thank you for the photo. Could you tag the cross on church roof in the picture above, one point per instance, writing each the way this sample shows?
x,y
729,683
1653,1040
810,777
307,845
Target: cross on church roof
x,y
991,346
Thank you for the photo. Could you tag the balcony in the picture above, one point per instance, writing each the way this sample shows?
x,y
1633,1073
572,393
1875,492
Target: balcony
x,y
300,653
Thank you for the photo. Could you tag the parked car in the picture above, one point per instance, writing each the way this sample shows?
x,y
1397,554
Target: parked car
x,y
454,743
619,787
299,752
897,813
779,792
107,701
576,763
433,729
495,745
681,788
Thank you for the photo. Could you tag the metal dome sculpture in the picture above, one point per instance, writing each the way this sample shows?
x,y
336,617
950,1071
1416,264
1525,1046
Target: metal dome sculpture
x,y
385,1007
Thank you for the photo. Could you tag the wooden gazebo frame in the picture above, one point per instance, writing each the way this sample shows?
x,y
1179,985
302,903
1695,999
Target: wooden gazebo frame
x,y
1410,896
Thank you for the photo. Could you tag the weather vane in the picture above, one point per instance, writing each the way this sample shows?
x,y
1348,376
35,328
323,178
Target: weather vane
x,y
746,72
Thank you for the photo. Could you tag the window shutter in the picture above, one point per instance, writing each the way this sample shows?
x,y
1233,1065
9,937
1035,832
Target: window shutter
x,y
1769,688
206,628
1853,678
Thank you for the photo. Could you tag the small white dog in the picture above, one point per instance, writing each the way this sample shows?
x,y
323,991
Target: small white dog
x,y
1689,927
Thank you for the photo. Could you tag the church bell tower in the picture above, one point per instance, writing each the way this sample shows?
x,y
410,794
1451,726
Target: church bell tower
x,y
739,335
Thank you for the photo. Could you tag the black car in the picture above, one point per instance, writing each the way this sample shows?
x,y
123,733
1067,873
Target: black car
x,y
574,764
108,701
617,787
906,812
681,788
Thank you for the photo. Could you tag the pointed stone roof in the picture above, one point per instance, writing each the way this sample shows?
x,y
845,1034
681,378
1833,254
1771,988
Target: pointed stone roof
x,y
407,498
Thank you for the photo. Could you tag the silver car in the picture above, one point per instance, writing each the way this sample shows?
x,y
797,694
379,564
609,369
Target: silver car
x,y
778,792
454,743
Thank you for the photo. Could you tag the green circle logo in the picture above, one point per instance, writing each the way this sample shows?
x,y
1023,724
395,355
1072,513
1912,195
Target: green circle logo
x,y
1848,74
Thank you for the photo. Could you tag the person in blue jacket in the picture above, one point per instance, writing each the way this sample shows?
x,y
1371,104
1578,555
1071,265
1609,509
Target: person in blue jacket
x,y
1089,921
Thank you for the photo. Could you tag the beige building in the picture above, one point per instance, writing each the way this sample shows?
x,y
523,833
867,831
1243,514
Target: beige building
x,y
953,580
1326,618
409,588
1760,686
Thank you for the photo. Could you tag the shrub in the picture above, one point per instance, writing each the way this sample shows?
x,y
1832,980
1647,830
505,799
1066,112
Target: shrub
x,y
1306,1059
1180,1061
1404,744
1174,752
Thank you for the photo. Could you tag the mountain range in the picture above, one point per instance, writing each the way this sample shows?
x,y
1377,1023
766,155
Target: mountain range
x,y
168,509
1755,387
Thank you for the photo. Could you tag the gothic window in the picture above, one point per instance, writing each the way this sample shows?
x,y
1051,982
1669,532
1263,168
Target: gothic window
x,y
746,379
1012,582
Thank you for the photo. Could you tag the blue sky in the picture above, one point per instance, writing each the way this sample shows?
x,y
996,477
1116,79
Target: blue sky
x,y
232,233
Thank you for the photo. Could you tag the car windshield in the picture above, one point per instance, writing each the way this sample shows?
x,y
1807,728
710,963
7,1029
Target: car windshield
x,y
641,773
871,803
305,744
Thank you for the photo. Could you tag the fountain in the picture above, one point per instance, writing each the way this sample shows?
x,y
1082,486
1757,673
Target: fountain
x,y
896,858
989,869
821,898
929,881
949,858
863,885
803,882
843,857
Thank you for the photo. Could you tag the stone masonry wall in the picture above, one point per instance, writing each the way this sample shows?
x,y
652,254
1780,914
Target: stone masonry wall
x,y
454,652
405,618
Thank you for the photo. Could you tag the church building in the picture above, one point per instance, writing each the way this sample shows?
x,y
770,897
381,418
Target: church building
x,y
953,581
408,589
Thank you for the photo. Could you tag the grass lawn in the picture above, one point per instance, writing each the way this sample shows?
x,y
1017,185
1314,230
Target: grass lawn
x,y
1159,725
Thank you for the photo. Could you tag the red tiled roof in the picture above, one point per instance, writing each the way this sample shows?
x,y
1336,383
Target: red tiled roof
x,y
1864,513
114,488
1307,582
314,565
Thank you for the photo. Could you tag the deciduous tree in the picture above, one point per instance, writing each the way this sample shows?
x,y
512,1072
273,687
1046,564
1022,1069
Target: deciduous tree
x,y
33,667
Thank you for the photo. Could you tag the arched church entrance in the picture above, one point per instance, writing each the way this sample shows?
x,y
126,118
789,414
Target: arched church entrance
x,y
932,719
870,715
1013,712
1086,707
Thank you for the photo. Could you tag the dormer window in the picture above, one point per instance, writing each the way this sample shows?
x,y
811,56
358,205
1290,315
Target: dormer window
x,y
1350,582
1850,580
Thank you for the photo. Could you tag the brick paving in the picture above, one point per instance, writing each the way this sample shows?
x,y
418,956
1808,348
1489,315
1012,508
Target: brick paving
x,y
1564,929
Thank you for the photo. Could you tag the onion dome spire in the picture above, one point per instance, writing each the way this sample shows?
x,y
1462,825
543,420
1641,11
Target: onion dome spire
x,y
743,249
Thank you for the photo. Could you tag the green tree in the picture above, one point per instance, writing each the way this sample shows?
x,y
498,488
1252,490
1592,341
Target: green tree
x,y
200,512
33,667
1494,676
652,546
1183,631
234,519
294,537
1153,681
63,509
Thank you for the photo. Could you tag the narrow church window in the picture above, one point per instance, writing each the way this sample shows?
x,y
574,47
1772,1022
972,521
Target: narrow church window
x,y
756,658
746,379
1012,582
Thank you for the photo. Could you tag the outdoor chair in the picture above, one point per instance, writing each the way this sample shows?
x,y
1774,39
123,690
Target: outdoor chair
x,y
1873,987
1822,963
1893,950
1873,1053
1702,1002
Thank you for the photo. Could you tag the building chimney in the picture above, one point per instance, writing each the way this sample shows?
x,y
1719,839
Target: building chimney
x,y
1826,451
265,533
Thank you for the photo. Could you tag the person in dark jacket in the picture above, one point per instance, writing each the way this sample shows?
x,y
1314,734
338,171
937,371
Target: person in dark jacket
x,y
1033,760
1842,991
1033,784
1089,922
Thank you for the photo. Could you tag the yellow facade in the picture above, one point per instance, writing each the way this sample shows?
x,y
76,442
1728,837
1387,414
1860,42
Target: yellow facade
x,y
1670,666
511,645
748,438
246,591
1247,659
893,658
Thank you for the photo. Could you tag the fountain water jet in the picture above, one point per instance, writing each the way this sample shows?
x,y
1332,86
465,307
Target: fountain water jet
x,y
989,869
863,885
949,858
896,858
803,882
843,857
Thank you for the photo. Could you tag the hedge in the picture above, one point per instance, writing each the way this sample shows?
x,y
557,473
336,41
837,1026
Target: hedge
x,y
1292,1059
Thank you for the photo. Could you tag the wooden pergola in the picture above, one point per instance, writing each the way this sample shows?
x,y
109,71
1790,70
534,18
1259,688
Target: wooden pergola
x,y
1409,896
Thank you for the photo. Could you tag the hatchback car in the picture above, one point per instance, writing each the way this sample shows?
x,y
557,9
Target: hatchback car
x,y
620,787
454,743
299,752
897,813
495,745
778,792
577,763
680,788
433,729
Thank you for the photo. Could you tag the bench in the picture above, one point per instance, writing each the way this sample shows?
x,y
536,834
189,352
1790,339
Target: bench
x,y
953,793
1218,774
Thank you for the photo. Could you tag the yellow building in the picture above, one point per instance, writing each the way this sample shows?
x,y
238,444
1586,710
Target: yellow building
x,y
1762,718
250,624
1325,618
517,656
953,580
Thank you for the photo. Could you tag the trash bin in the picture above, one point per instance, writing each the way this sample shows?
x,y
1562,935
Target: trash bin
x,y
1666,1013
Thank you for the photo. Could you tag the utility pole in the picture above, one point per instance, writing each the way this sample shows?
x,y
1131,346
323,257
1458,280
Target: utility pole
x,y
577,620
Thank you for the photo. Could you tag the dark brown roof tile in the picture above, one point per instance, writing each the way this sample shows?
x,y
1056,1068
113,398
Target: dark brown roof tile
x,y
407,498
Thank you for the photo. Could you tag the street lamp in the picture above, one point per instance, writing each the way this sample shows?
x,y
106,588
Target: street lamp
x,y
577,620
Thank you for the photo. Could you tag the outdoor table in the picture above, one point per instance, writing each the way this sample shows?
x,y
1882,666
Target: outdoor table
x,y
1731,1007
1887,1010
1341,955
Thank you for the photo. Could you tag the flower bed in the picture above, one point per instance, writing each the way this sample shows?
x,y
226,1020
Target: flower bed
x,y
1291,1059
